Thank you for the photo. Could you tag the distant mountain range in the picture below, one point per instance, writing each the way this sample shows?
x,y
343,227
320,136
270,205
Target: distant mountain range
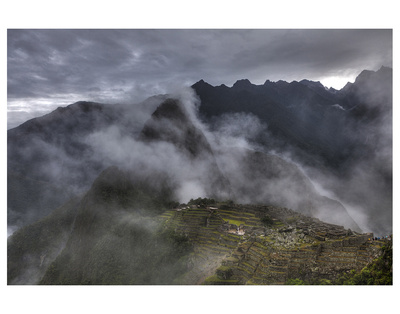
x,y
321,152
343,137
326,123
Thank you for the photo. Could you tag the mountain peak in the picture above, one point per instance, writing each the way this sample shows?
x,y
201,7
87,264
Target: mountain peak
x,y
382,73
310,83
201,84
170,109
223,86
383,68
242,84
365,74
171,123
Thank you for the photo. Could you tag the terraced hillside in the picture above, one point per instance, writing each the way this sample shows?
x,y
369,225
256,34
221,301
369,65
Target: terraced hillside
x,y
245,244
203,242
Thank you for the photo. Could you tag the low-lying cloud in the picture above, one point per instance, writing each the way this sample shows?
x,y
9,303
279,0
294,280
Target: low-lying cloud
x,y
229,136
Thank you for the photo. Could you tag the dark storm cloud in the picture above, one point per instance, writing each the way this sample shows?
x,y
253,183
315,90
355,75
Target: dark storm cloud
x,y
62,66
314,54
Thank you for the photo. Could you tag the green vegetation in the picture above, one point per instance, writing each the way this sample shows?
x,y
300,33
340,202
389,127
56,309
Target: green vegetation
x,y
32,248
278,224
235,222
203,202
125,233
228,204
267,221
172,204
215,280
295,282
379,272
117,238
224,272
291,220
136,196
318,282
179,242
130,253
114,188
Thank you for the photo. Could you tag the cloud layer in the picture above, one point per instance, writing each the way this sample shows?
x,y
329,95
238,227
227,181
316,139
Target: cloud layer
x,y
56,67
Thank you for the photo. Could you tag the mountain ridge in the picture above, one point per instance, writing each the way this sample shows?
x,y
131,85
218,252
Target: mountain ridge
x,y
184,245
364,74
129,223
282,121
338,134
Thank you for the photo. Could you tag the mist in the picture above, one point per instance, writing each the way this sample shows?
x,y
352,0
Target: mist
x,y
221,166
273,178
178,156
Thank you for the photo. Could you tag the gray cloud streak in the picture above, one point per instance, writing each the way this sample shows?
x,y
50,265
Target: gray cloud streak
x,y
130,65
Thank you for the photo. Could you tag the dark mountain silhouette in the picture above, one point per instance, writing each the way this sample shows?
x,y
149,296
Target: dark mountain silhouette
x,y
305,114
116,161
170,123
346,134
253,177
46,150
49,158
108,237
120,229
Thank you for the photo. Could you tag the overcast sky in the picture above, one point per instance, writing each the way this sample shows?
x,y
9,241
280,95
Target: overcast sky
x,y
51,68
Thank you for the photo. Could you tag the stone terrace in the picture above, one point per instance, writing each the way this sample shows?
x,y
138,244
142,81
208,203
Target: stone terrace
x,y
232,246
